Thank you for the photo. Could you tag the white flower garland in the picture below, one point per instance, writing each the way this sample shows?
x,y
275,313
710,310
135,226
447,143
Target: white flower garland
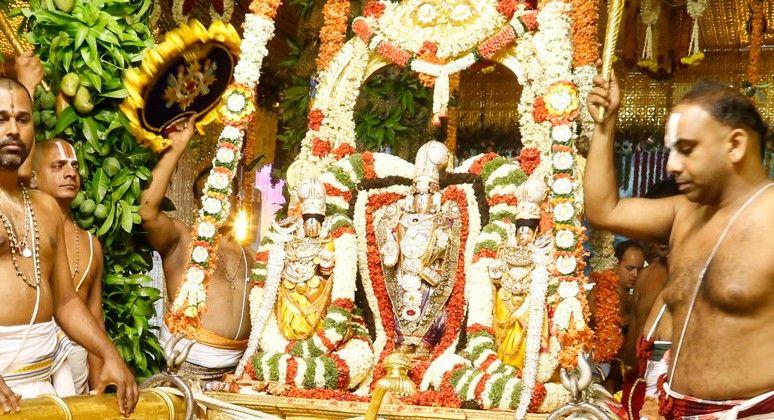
x,y
453,39
649,13
260,313
337,91
192,295
537,307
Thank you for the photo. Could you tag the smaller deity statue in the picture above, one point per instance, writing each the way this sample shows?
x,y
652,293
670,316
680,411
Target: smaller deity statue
x,y
307,332
306,284
519,260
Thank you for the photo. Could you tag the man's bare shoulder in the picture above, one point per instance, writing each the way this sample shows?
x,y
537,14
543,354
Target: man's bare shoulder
x,y
97,246
46,208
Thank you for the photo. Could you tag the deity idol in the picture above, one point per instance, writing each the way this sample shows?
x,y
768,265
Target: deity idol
x,y
419,243
520,260
306,333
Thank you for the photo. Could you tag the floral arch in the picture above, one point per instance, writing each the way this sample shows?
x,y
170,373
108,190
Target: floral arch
x,y
536,45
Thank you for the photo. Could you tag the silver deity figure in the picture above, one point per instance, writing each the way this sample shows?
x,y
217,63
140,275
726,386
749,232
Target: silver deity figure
x,y
419,244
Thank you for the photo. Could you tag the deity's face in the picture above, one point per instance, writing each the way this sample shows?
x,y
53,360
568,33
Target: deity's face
x,y
17,132
525,235
424,190
56,171
312,225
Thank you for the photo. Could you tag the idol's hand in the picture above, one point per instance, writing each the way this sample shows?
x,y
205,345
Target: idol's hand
x,y
8,399
115,372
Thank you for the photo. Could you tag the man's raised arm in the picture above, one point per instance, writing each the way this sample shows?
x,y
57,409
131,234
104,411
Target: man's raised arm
x,y
635,217
163,231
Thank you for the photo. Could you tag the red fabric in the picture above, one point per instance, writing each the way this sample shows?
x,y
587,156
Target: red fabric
x,y
633,394
680,408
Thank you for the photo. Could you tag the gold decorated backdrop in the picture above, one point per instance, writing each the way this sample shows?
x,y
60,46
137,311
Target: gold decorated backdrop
x,y
491,98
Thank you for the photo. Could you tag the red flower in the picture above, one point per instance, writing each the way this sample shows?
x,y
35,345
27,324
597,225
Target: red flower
x,y
539,112
373,8
432,398
538,395
320,147
343,150
362,29
478,165
369,172
529,159
335,192
608,338
502,199
290,375
342,231
529,19
324,394
485,253
494,44
315,119
393,53
507,7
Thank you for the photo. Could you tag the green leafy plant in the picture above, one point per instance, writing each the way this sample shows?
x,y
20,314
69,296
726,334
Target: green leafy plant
x,y
97,40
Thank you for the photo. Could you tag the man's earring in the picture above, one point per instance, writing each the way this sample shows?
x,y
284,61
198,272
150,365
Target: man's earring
x,y
33,180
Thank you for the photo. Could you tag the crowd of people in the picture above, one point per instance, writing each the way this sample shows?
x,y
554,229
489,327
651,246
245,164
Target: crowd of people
x,y
697,316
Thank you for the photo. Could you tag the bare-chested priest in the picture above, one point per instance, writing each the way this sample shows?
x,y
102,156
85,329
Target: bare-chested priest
x,y
222,338
35,277
55,172
721,234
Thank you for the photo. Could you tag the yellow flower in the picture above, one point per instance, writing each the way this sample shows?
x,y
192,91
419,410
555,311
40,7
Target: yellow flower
x,y
693,59
562,98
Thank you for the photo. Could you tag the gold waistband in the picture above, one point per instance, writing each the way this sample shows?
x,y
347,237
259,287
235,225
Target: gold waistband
x,y
212,339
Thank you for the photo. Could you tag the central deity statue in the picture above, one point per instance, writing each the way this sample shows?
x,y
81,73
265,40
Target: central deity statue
x,y
418,240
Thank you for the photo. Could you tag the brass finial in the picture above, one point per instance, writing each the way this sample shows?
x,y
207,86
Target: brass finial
x,y
396,381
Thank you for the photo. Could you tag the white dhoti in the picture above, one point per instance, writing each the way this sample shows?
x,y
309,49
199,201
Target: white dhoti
x,y
27,364
218,360
71,367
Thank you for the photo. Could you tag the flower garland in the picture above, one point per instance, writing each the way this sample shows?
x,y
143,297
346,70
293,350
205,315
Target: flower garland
x,y
608,336
331,134
585,19
537,307
696,9
441,52
649,13
756,41
333,31
238,107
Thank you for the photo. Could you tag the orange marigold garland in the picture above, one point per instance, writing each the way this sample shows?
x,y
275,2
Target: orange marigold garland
x,y
756,41
608,336
333,31
585,19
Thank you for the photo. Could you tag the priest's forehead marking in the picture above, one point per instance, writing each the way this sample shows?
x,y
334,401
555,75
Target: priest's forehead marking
x,y
66,150
670,133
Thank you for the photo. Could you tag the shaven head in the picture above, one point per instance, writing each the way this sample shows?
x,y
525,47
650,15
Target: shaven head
x,y
55,166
